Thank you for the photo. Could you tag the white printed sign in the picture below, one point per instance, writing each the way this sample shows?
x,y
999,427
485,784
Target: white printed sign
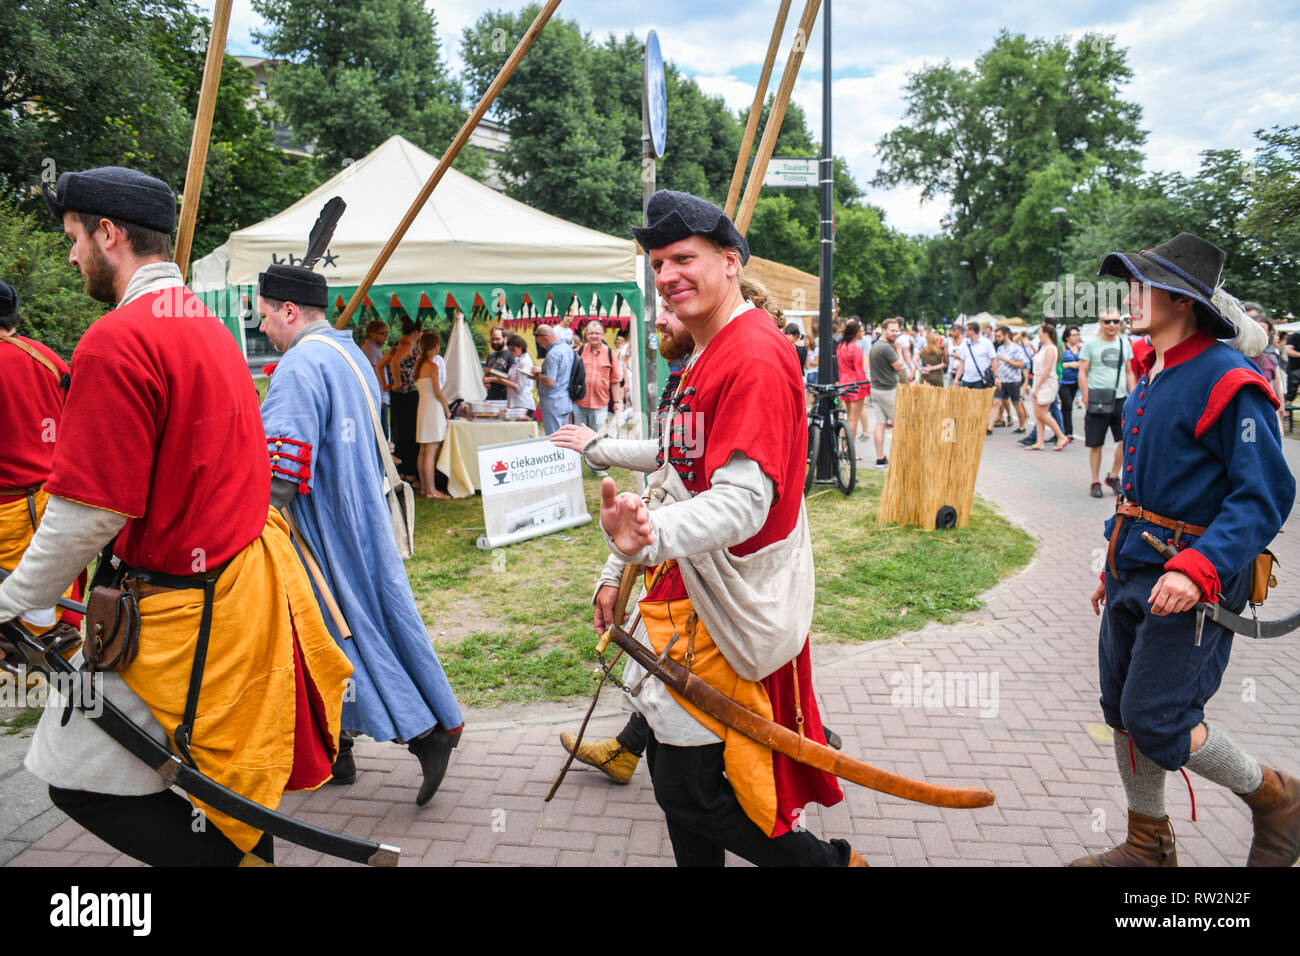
x,y
530,488
788,173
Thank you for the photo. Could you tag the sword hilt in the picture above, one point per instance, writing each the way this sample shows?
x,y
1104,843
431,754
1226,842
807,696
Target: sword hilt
x,y
625,586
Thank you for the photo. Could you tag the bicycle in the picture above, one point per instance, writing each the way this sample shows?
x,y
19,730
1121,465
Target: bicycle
x,y
827,416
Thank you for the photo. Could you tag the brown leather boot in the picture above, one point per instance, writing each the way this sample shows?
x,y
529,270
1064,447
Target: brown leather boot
x,y
1276,810
1150,843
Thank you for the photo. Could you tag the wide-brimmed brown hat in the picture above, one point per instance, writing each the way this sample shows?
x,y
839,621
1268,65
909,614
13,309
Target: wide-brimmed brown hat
x,y
1187,265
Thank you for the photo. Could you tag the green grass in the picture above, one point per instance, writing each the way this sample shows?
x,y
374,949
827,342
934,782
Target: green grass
x,y
875,582
21,720
515,626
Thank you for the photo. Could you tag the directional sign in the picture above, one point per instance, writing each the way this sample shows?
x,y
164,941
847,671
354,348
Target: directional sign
x,y
791,173
656,93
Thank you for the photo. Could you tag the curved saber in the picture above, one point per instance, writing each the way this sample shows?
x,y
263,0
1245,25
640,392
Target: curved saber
x,y
1249,627
172,769
783,740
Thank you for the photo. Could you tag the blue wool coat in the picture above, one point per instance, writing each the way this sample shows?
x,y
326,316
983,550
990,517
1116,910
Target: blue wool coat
x,y
1202,445
318,422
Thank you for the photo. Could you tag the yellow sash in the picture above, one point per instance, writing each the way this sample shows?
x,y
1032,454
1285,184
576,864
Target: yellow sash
x,y
16,534
748,764
244,728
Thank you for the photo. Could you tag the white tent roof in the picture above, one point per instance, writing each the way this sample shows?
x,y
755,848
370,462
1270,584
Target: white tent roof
x,y
467,232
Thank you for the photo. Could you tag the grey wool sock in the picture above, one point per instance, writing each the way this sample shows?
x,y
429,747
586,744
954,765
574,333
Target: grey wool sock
x,y
1146,788
1221,760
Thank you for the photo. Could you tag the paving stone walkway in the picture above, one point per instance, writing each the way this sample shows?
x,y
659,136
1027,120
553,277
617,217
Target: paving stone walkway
x,y
1031,731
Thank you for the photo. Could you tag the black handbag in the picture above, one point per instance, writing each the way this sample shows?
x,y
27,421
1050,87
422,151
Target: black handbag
x,y
986,374
1101,401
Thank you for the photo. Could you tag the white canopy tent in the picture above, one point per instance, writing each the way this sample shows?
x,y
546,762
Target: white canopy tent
x,y
467,233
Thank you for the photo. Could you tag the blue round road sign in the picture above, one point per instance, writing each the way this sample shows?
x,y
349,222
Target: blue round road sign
x,y
656,94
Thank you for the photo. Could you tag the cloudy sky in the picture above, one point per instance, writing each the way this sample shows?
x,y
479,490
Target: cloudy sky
x,y
1207,73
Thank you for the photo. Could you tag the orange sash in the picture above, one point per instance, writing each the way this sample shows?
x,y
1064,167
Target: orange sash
x,y
748,764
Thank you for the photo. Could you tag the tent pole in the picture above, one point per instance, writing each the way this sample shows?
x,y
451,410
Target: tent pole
x,y
202,134
751,125
777,116
448,158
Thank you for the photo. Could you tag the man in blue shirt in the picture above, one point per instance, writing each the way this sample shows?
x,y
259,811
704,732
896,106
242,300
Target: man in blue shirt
x,y
553,379
1203,473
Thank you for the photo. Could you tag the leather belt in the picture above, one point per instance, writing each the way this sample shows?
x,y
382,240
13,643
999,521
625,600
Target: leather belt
x,y
1138,513
1125,509
148,583
8,495
19,492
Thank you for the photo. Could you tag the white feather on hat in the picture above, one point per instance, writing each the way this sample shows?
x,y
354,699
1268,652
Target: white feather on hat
x,y
1250,340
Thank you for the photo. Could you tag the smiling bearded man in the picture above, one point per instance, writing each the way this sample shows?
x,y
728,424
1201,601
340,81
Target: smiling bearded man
x,y
728,558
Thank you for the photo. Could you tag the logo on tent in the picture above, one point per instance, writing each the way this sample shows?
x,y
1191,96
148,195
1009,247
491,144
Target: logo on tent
x,y
328,259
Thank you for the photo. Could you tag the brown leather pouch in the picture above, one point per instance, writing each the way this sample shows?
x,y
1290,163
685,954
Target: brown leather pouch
x,y
112,629
1262,577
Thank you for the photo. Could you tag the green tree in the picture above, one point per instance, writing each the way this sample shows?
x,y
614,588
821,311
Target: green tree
x,y
984,138
1216,204
81,86
565,152
361,72
141,64
53,306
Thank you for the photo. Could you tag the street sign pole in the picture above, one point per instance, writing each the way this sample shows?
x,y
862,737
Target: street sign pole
x,y
827,367
654,134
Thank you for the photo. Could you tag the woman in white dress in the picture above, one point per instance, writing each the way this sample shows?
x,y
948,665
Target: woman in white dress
x,y
1046,385
431,419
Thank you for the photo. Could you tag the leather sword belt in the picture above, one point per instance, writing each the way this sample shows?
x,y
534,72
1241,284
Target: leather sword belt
x,y
14,494
1138,513
1126,509
148,583
145,583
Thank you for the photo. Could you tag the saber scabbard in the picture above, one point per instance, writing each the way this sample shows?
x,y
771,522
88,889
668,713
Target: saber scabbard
x,y
783,740
36,654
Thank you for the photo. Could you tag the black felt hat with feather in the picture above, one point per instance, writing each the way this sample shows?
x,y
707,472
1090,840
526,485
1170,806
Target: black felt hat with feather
x,y
299,284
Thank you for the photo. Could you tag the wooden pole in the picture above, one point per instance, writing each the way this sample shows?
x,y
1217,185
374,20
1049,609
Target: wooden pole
x,y
202,133
775,118
751,125
508,68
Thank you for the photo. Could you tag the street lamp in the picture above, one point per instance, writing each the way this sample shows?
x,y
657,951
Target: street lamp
x,y
1058,212
964,266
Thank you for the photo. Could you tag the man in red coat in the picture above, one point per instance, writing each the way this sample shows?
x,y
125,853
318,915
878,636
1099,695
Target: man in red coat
x,y
32,398
161,457
727,542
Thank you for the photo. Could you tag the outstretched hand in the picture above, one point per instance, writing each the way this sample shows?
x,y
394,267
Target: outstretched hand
x,y
625,518
572,437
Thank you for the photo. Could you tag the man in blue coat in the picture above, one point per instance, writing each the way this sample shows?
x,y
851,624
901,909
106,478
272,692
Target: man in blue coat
x,y
1203,473
328,478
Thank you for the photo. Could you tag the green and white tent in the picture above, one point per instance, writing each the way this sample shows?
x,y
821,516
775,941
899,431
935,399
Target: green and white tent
x,y
468,243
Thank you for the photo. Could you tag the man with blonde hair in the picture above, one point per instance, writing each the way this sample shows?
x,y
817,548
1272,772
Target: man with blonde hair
x,y
604,377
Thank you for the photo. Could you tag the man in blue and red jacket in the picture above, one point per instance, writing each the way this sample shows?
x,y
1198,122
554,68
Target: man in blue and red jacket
x,y
1203,472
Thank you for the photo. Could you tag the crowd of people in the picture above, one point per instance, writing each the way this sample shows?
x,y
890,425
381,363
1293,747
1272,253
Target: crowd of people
x,y
412,375
1040,378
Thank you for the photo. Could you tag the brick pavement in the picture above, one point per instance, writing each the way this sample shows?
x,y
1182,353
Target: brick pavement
x,y
1043,751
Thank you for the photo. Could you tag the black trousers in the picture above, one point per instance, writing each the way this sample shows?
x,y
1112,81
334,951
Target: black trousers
x,y
705,818
157,828
1067,394
634,735
405,407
